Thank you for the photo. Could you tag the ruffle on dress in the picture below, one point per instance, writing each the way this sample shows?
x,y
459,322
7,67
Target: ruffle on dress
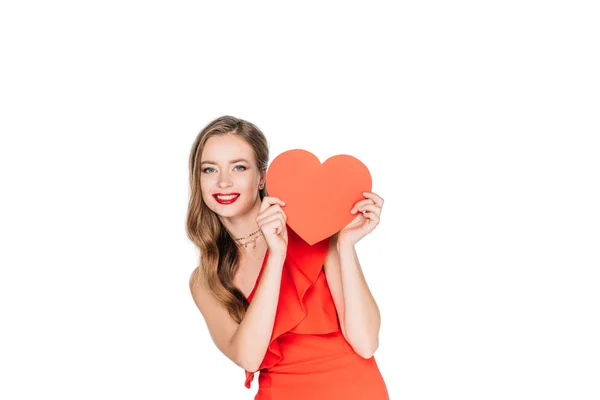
x,y
305,304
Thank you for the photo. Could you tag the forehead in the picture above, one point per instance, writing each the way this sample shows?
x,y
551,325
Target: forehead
x,y
223,148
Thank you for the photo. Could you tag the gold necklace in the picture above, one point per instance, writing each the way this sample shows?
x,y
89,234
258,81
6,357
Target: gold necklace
x,y
253,240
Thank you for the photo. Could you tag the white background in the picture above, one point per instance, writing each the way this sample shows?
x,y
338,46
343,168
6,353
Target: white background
x,y
478,121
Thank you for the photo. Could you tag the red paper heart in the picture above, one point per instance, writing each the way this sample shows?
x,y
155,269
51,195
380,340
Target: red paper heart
x,y
318,196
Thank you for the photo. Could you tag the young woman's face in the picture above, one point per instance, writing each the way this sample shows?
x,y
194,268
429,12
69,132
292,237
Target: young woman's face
x,y
229,177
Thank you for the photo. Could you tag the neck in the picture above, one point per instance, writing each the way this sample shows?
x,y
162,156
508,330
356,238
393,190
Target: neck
x,y
242,225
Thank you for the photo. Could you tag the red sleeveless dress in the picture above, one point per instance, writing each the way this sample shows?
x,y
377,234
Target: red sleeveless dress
x,y
308,356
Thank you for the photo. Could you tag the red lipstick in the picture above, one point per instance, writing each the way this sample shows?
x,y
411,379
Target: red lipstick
x,y
226,198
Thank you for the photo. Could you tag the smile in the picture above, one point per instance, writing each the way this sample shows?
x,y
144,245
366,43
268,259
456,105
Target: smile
x,y
226,199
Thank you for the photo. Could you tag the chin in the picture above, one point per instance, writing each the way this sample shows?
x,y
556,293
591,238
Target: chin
x,y
231,210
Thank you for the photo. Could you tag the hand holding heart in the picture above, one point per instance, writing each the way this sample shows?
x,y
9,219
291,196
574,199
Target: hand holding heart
x,y
365,222
319,196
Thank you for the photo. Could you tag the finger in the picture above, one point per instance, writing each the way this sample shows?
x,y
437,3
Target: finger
x,y
267,201
265,222
271,210
361,203
267,214
372,216
269,218
273,226
370,207
375,197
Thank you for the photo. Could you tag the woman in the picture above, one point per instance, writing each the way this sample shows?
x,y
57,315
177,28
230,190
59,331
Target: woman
x,y
303,315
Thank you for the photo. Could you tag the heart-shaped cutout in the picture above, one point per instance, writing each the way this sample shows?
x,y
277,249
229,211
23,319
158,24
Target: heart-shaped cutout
x,y
318,196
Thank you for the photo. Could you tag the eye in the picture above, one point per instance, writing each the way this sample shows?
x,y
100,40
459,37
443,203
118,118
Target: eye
x,y
205,170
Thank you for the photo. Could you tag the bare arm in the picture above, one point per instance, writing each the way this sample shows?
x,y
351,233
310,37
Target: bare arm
x,y
251,339
245,343
362,319
361,327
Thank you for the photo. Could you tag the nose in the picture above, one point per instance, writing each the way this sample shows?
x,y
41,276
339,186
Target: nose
x,y
224,180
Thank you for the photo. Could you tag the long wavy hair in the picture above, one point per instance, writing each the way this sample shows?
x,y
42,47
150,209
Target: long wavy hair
x,y
219,254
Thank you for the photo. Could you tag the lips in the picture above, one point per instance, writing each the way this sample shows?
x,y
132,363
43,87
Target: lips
x,y
226,198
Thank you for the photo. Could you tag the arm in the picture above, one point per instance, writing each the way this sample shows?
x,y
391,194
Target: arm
x,y
245,343
357,311
251,339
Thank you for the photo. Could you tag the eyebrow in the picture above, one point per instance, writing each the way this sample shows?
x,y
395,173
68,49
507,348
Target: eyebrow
x,y
230,162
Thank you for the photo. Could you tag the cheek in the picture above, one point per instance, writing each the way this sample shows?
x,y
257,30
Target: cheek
x,y
207,179
205,184
248,185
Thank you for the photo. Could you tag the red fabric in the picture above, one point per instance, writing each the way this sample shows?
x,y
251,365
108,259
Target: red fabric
x,y
308,354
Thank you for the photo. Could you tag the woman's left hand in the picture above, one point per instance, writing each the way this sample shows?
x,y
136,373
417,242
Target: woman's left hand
x,y
364,223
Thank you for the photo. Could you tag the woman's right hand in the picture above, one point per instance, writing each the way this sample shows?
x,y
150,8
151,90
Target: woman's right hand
x,y
271,220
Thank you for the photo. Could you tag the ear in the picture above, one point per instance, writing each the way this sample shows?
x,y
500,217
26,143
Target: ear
x,y
263,177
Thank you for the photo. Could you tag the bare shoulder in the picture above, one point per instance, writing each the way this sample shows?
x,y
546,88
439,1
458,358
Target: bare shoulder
x,y
203,296
219,322
199,290
195,279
